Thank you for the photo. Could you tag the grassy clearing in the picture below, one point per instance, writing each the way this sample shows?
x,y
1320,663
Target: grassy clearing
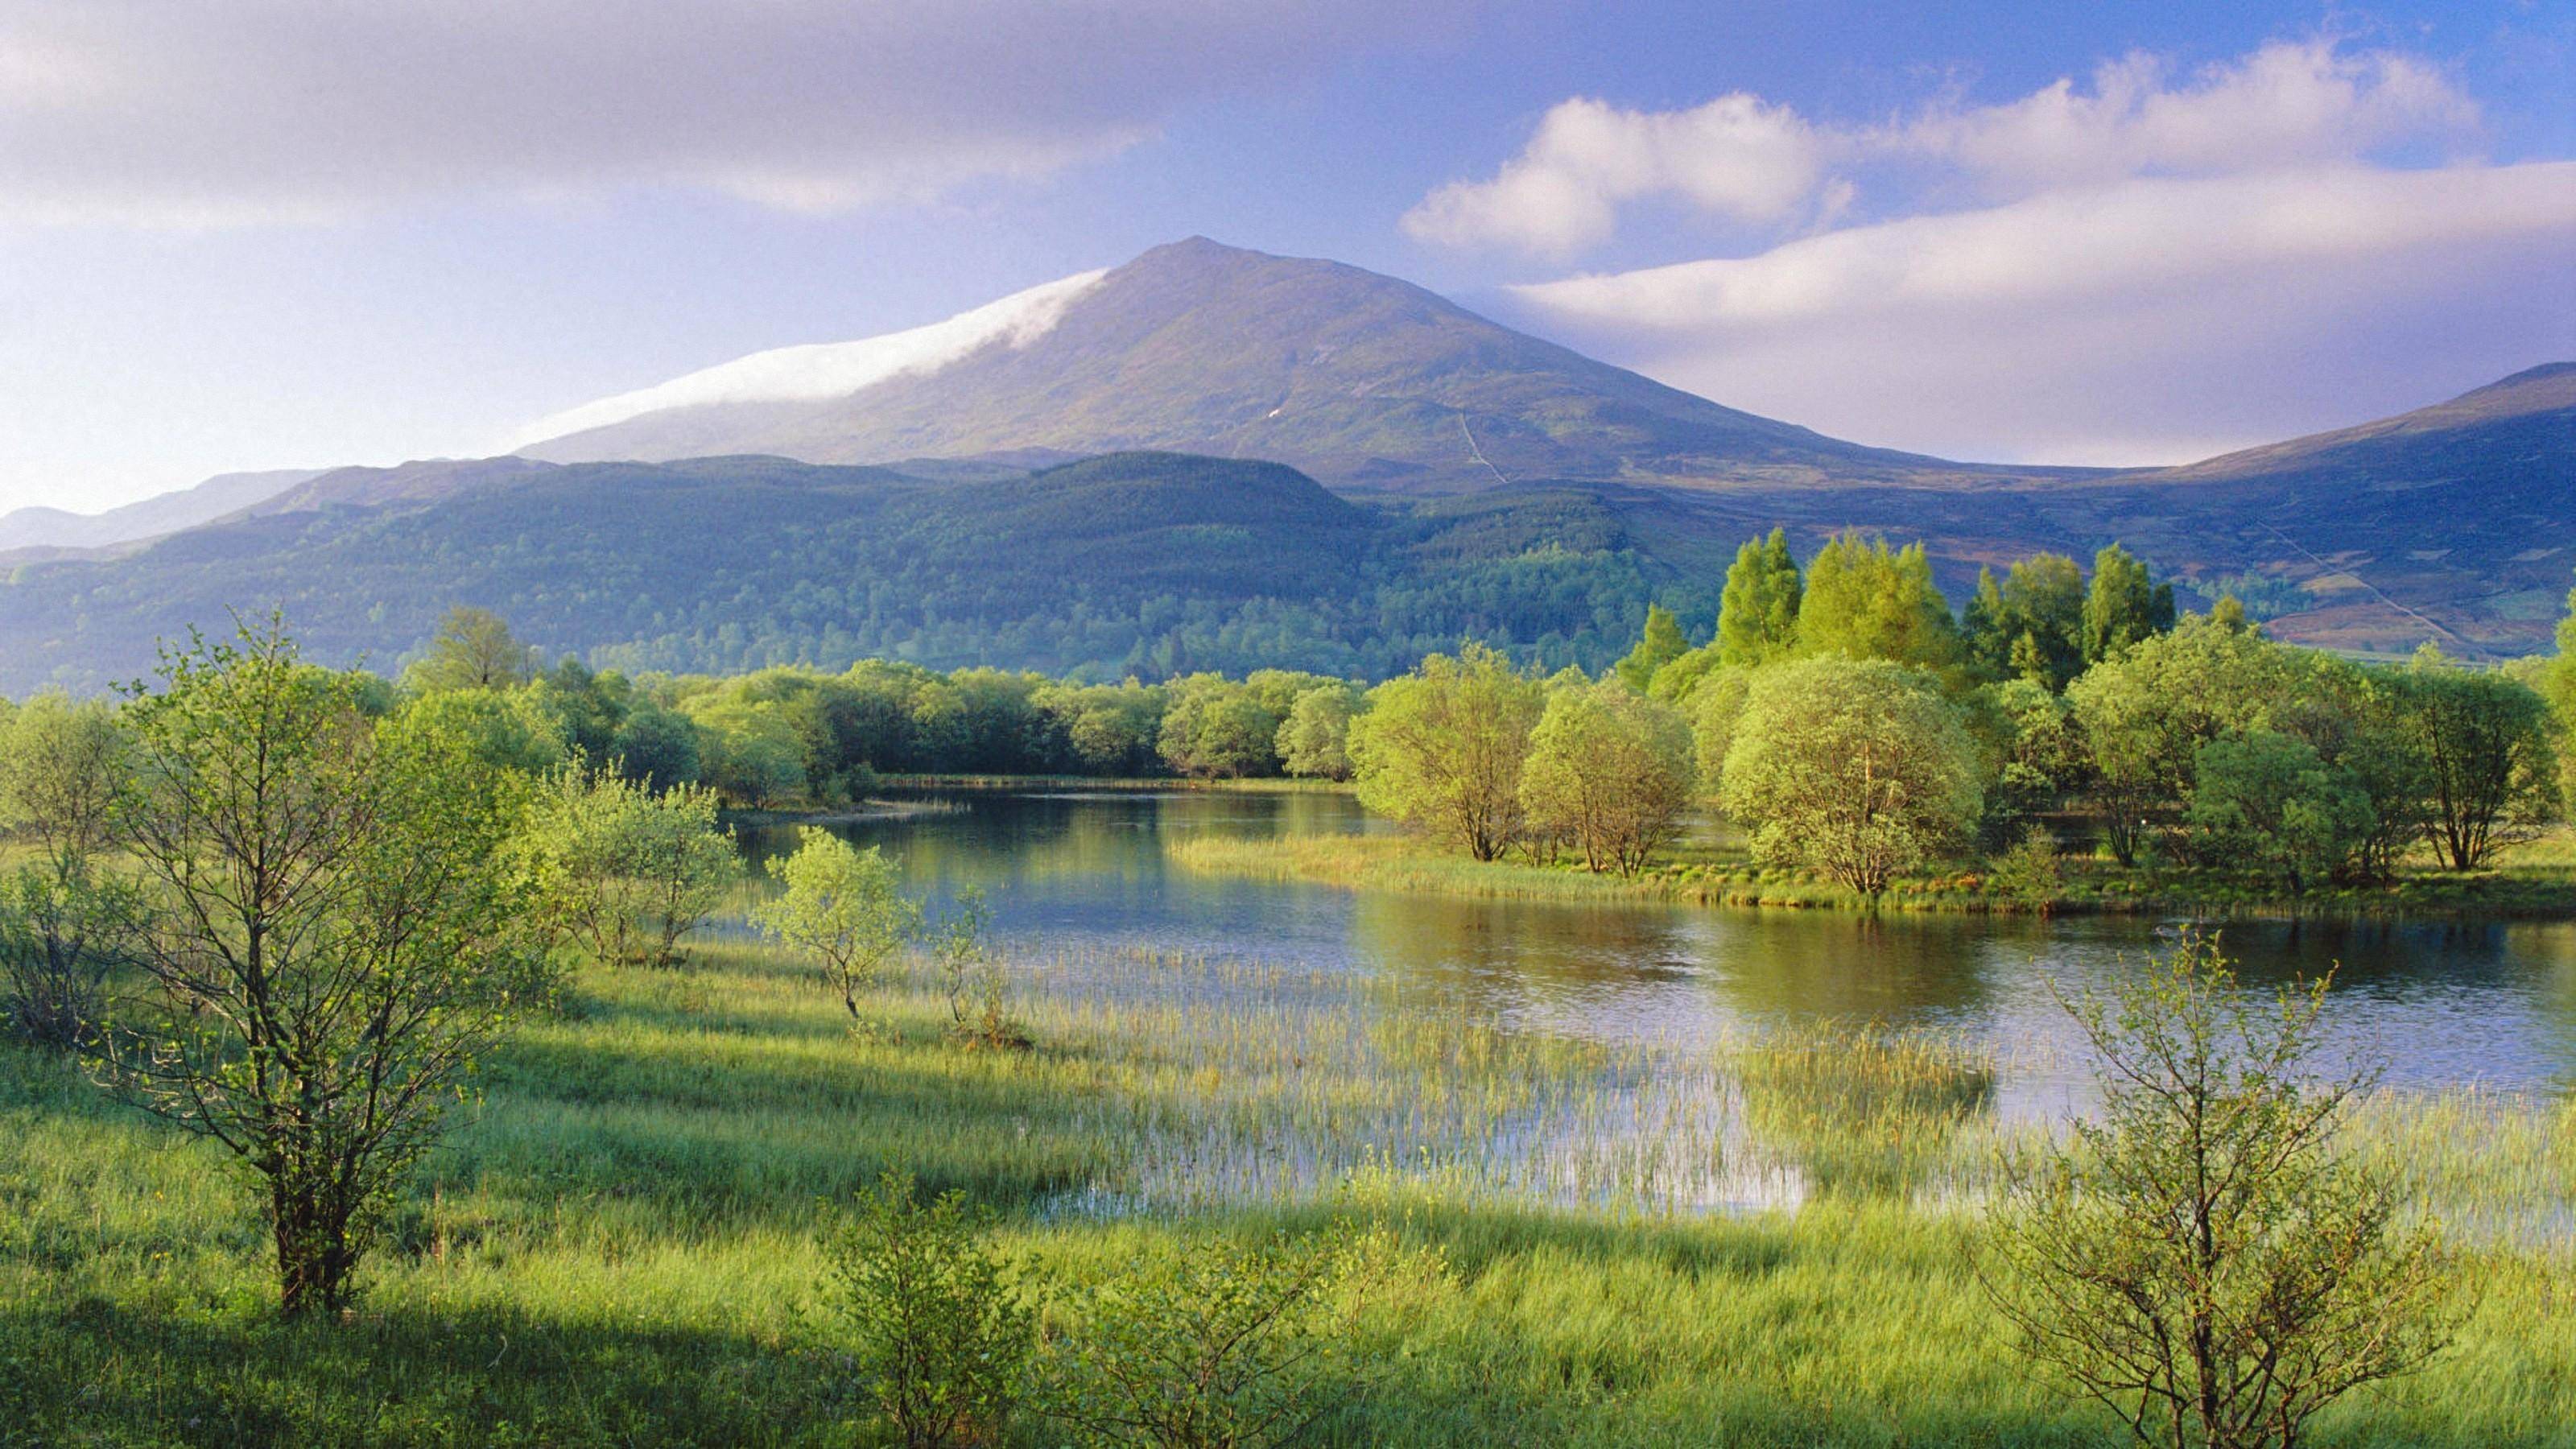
x,y
2538,879
618,1245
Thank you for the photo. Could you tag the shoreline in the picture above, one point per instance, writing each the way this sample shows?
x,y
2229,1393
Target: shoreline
x,y
1402,865
1109,785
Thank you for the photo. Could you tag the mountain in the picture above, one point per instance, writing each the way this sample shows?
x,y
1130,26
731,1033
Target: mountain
x,y
1358,380
1145,562
2456,521
1213,458
55,528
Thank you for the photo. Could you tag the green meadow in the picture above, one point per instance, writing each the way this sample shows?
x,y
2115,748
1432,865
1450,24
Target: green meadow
x,y
1760,1242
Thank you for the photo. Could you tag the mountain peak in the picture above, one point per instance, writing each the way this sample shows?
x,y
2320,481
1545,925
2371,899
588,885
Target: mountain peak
x,y
1354,378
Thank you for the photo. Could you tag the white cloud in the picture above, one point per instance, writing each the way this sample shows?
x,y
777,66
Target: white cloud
x,y
2282,105
834,369
254,110
1744,160
2146,320
1734,156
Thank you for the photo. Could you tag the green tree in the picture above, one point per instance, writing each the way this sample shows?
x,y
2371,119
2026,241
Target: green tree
x,y
751,751
1757,614
330,943
1314,742
842,907
2266,800
1220,727
2489,766
473,649
2197,1255
1716,708
1680,677
2559,683
2030,625
506,731
1441,748
1659,645
2124,606
1856,766
63,919
621,870
1863,601
1109,729
2038,749
1610,770
938,1329
2146,712
657,747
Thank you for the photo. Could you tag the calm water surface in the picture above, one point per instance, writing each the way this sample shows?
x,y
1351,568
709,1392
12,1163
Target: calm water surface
x,y
2492,1004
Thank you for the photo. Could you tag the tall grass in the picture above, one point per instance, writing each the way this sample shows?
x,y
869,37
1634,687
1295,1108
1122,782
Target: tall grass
x,y
1679,1241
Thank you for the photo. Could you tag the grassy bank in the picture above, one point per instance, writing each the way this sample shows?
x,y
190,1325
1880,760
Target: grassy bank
x,y
618,1244
2537,880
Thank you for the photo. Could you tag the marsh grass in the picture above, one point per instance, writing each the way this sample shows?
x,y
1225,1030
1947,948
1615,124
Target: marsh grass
x,y
1614,1245
1862,1108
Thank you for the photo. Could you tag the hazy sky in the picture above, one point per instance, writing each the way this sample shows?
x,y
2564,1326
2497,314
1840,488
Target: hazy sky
x,y
276,233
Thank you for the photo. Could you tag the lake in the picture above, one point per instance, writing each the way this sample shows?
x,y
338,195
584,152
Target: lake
x,y
2440,1004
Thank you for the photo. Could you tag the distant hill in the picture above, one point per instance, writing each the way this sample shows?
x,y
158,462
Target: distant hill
x,y
1357,379
1154,563
2457,520
55,528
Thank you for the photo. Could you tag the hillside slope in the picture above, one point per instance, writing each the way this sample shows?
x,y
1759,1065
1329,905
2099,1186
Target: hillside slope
x,y
1144,562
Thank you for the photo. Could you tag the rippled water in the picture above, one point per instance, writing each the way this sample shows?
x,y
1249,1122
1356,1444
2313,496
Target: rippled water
x,y
2440,1004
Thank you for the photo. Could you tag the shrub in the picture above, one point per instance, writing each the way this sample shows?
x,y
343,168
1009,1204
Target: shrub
x,y
622,870
2029,873
940,1333
1230,1346
2199,1257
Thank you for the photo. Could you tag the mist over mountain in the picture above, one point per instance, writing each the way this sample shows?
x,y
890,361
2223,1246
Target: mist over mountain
x,y
1356,379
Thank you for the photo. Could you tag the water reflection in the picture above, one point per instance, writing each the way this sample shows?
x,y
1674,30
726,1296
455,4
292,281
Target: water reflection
x,y
2442,1003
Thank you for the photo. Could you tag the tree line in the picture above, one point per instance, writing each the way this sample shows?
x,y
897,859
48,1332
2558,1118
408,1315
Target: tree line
x,y
1847,720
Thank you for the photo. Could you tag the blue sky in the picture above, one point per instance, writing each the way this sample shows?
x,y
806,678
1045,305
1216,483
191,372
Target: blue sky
x,y
296,233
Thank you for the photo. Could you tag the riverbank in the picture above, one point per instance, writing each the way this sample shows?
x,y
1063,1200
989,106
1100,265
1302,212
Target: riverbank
x,y
620,1243
2539,883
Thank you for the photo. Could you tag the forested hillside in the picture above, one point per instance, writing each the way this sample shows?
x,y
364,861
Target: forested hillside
x,y
1154,563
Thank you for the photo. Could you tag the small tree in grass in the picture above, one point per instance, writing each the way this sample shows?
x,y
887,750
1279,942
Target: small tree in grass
x,y
941,1333
842,907
328,944
2200,1258
623,870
